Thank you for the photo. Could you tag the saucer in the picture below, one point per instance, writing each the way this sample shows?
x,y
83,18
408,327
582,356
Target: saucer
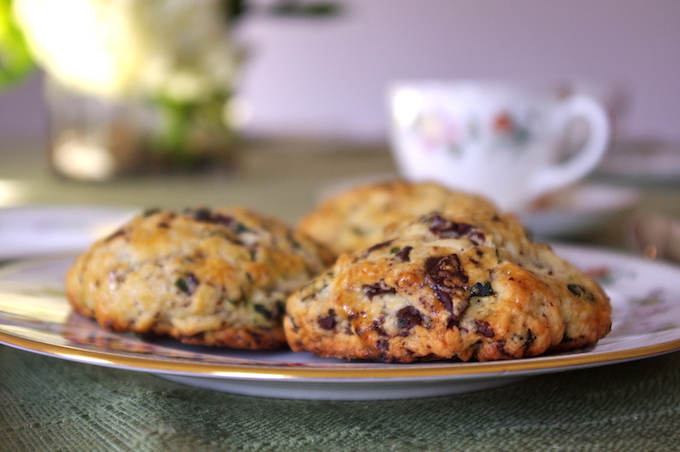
x,y
578,209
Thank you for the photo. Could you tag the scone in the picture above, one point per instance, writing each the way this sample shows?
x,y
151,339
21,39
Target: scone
x,y
356,218
466,287
210,277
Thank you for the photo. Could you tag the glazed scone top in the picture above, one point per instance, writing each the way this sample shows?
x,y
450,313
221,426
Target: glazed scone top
x,y
356,218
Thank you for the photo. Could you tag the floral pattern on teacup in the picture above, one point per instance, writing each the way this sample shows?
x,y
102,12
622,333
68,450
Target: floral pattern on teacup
x,y
501,130
509,130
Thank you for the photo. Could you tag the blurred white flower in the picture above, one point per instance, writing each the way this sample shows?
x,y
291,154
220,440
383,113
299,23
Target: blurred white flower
x,y
176,50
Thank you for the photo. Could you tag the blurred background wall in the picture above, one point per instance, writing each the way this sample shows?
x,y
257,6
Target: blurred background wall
x,y
328,77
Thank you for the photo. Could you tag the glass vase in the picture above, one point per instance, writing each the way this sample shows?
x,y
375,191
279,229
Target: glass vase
x,y
99,139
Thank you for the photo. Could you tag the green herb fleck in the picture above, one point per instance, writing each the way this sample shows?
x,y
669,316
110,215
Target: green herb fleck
x,y
580,292
281,306
181,284
266,313
357,231
187,284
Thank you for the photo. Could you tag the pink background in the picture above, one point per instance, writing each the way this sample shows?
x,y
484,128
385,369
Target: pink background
x,y
328,77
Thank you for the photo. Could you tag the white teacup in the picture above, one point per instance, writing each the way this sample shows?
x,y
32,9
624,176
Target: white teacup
x,y
500,140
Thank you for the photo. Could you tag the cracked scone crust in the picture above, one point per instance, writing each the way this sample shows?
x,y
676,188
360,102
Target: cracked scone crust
x,y
356,218
210,277
448,287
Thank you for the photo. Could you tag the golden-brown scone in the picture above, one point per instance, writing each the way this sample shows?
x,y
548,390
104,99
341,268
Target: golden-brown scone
x,y
468,287
210,277
356,218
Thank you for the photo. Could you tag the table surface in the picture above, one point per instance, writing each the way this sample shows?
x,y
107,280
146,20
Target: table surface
x,y
51,404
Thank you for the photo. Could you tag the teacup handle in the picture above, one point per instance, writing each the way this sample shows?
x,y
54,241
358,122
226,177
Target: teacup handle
x,y
561,174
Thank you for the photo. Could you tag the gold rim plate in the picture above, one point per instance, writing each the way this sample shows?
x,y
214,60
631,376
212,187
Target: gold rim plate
x,y
35,316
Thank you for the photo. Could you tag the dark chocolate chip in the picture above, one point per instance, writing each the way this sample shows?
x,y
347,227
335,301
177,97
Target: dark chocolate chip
x,y
379,288
448,281
328,323
445,228
408,317
484,328
404,254
481,290
378,246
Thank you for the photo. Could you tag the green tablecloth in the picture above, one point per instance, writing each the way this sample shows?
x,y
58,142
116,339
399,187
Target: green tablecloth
x,y
54,405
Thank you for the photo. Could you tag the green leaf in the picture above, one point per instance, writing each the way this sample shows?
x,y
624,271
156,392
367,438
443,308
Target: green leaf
x,y
16,62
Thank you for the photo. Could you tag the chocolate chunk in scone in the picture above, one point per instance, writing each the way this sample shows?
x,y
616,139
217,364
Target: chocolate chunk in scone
x,y
467,287
210,277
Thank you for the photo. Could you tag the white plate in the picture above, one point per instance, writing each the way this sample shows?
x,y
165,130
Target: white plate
x,y
38,230
34,316
579,209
